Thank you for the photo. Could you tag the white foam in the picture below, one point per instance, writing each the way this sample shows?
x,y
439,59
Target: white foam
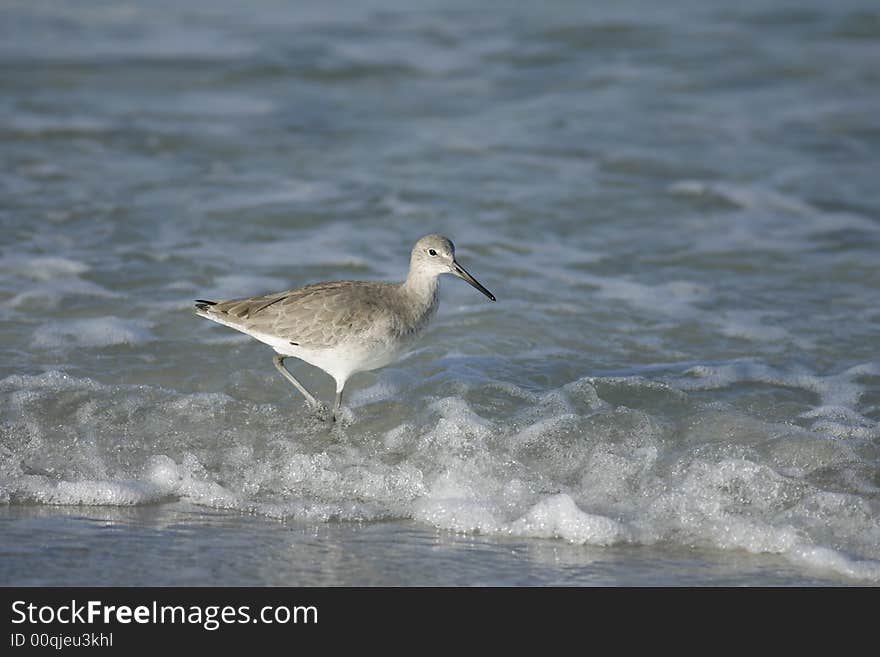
x,y
46,280
763,219
748,197
461,502
50,294
827,559
565,465
558,516
91,332
838,394
380,391
51,381
751,325
33,489
163,472
42,268
672,298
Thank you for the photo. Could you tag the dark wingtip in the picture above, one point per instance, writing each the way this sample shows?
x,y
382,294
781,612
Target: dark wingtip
x,y
203,304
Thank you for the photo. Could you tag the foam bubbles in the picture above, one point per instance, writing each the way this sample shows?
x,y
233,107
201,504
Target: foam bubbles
x,y
572,464
42,490
837,412
827,559
91,332
163,472
558,516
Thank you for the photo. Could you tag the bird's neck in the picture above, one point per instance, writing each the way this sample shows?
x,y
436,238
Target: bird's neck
x,y
421,289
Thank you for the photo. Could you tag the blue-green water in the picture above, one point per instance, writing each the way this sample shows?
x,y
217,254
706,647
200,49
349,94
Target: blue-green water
x,y
676,205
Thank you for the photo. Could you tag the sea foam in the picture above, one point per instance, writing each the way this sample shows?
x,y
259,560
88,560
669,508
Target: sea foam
x,y
570,464
91,332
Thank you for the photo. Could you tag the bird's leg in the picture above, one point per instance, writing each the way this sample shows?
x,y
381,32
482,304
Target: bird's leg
x,y
278,360
338,405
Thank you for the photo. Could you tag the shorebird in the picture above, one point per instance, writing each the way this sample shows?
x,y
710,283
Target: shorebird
x,y
343,327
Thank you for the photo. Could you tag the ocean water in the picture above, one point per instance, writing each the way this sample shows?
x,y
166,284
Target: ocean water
x,y
676,205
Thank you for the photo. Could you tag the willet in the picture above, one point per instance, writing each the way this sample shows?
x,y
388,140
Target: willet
x,y
343,327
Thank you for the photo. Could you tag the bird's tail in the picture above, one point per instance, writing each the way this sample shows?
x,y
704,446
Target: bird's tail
x,y
203,305
212,310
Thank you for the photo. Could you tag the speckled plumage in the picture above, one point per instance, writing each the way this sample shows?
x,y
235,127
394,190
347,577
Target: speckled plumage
x,y
345,327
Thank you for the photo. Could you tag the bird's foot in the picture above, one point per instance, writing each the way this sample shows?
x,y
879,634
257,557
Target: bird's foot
x,y
323,412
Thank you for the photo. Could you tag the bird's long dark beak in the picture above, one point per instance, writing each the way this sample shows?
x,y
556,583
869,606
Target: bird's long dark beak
x,y
461,272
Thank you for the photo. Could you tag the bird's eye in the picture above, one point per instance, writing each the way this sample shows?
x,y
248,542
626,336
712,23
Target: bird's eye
x,y
432,252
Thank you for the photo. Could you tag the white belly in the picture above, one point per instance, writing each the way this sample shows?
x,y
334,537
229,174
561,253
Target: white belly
x,y
340,361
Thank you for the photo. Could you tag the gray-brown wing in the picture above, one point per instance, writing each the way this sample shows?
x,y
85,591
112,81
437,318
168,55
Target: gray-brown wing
x,y
318,315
